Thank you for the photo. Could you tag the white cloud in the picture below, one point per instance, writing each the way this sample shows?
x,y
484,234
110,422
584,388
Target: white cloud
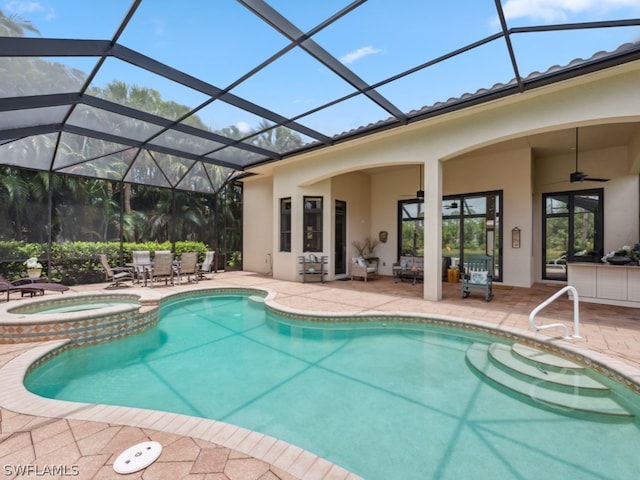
x,y
25,9
558,10
244,127
358,54
159,26
19,7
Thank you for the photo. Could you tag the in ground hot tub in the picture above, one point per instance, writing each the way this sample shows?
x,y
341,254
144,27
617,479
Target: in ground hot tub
x,y
82,318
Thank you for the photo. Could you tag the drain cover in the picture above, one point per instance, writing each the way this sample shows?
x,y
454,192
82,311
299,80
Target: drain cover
x,y
137,457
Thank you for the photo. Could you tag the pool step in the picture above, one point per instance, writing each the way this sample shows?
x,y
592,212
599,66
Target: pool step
x,y
545,378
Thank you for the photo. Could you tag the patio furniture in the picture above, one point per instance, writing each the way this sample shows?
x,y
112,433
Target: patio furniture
x,y
163,267
313,267
208,265
141,265
477,275
188,266
409,268
362,268
31,286
116,275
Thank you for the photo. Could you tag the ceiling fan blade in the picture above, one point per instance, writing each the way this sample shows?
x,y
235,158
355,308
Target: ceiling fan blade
x,y
577,177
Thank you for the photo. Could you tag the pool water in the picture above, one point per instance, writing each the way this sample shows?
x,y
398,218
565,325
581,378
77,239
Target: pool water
x,y
383,402
80,307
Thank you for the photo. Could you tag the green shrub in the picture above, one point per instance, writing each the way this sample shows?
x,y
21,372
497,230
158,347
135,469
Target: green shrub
x,y
75,263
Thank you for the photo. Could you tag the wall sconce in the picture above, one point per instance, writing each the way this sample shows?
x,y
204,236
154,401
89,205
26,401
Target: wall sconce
x,y
515,237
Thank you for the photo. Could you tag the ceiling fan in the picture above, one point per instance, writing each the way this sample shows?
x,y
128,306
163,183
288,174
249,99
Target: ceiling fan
x,y
578,176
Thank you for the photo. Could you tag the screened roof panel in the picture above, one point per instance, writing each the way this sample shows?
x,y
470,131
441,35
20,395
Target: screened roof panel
x,y
68,19
280,139
218,44
227,120
349,114
146,171
109,167
196,179
402,35
26,76
174,168
236,156
183,141
126,84
75,149
30,152
307,15
33,116
293,82
209,87
489,63
112,123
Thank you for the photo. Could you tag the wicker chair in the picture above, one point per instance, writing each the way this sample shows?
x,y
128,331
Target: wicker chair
x,y
360,268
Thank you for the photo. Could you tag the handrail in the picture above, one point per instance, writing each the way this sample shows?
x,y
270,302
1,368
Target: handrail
x,y
576,314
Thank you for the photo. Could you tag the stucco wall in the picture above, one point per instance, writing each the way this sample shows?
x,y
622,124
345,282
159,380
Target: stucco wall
x,y
258,226
603,97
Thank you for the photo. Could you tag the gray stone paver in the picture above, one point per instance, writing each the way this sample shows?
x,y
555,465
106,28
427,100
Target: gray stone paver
x,y
92,446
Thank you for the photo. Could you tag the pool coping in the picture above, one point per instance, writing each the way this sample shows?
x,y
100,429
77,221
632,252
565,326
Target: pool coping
x,y
288,457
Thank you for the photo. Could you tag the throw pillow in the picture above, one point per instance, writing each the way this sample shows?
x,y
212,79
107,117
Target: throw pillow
x,y
479,276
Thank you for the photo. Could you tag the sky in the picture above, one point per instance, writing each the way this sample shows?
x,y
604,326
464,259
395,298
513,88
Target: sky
x,y
220,40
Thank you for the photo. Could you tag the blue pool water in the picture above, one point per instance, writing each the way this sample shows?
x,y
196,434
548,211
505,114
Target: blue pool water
x,y
385,403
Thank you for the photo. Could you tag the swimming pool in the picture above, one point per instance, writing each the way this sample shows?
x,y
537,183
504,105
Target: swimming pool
x,y
374,398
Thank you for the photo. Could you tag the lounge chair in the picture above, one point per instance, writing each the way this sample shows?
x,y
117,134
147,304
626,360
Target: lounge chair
x,y
27,285
207,266
188,266
116,275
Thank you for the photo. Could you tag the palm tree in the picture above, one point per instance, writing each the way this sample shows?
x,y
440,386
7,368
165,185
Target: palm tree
x,y
14,26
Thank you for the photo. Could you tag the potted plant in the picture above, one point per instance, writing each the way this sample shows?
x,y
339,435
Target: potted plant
x,y
235,261
34,267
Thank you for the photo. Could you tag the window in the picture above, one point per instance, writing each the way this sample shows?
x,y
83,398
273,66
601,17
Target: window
x,y
471,225
411,227
573,227
285,224
312,224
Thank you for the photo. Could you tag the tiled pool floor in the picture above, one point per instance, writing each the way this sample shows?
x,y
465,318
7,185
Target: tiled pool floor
x,y
56,445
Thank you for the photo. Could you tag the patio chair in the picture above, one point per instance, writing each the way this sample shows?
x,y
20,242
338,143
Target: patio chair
x,y
477,275
360,268
188,266
141,264
162,267
207,266
116,275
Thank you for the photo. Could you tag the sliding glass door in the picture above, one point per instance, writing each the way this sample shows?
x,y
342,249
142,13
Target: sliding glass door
x,y
471,225
572,230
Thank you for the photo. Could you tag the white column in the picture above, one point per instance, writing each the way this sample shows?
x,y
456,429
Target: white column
x,y
432,229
